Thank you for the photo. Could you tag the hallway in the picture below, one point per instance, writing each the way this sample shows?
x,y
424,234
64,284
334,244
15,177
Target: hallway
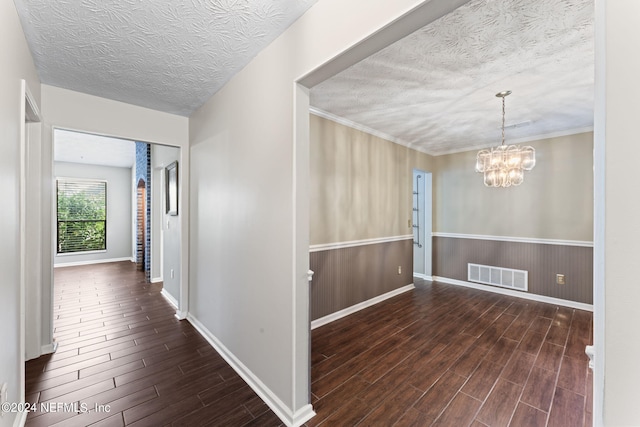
x,y
124,359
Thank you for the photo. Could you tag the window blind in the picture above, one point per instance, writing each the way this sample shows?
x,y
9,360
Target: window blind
x,y
82,215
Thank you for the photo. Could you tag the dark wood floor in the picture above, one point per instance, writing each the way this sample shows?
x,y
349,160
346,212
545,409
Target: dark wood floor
x,y
440,355
444,355
119,344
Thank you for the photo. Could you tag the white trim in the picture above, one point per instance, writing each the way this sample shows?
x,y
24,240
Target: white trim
x,y
353,243
357,126
156,280
92,261
303,415
49,348
517,294
559,242
277,406
79,253
360,306
169,298
21,419
423,276
362,128
599,210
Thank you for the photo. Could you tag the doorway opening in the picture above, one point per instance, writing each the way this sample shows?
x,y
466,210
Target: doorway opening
x,y
138,228
422,224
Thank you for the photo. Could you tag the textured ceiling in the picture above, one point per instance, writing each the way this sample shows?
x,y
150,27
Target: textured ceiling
x,y
166,55
77,147
434,90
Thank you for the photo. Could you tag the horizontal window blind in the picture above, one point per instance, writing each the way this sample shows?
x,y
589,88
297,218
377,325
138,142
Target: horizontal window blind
x,y
82,215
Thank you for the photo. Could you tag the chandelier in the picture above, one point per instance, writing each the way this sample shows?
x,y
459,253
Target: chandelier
x,y
504,165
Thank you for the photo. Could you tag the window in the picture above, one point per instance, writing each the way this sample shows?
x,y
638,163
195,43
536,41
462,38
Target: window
x,y
82,215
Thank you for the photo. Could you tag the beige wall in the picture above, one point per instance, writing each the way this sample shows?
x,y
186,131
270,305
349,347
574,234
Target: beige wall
x,y
554,202
361,185
16,65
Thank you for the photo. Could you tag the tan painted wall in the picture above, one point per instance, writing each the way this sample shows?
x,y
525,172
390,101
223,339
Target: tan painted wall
x,y
554,202
361,185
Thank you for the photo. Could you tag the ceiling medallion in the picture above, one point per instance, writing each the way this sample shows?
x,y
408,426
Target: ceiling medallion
x,y
504,165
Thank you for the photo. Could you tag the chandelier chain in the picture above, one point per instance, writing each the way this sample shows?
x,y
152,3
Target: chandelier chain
x,y
504,166
503,112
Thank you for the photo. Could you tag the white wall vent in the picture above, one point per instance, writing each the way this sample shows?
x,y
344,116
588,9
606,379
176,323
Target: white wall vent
x,y
498,276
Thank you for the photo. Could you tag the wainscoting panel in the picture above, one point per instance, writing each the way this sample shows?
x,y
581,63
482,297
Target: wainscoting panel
x,y
347,276
542,261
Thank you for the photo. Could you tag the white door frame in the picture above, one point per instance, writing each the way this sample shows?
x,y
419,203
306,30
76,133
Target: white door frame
x,y
29,115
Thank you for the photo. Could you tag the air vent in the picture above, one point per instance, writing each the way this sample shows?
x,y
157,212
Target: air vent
x,y
498,276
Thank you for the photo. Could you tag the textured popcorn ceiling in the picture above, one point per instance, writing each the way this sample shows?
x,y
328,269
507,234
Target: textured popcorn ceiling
x,y
434,90
161,54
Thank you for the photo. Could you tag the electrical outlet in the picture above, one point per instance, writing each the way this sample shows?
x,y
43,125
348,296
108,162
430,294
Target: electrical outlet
x,y
172,274
399,269
560,279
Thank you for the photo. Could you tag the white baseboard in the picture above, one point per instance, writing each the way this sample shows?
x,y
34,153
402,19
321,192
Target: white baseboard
x,y
283,412
89,262
303,415
169,298
181,315
156,279
423,276
360,306
49,348
21,419
518,294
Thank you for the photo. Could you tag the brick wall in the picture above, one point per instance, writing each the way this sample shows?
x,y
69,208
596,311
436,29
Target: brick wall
x,y
143,240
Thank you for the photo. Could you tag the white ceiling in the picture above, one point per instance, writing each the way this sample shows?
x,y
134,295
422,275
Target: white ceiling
x,y
77,147
165,55
434,90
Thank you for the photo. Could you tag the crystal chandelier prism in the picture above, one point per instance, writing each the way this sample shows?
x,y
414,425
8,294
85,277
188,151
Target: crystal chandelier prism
x,y
504,165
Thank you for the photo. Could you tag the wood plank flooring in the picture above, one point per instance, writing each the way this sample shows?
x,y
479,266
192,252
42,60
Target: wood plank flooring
x,y
444,355
439,355
119,344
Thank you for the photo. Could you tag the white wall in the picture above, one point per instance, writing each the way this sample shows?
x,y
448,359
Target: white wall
x,y
118,210
617,112
16,65
165,228
77,111
249,179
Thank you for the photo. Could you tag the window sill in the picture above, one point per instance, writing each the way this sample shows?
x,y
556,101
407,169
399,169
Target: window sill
x,y
104,251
